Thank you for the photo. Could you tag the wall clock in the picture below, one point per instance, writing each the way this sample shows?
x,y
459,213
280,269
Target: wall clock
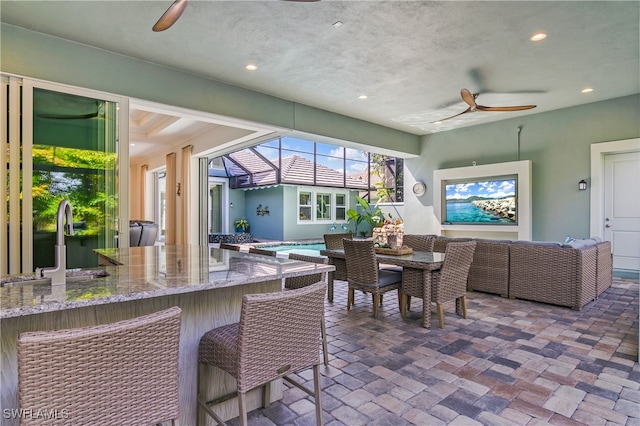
x,y
419,188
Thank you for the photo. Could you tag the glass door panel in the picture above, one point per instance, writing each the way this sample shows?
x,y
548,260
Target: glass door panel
x,y
215,208
75,157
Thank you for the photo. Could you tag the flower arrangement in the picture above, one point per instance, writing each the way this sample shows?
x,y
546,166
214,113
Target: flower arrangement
x,y
389,233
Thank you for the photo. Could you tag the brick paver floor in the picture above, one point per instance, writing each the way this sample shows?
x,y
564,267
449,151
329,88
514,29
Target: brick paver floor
x,y
511,362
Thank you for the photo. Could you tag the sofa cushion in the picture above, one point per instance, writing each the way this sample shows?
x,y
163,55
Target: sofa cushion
x,y
580,243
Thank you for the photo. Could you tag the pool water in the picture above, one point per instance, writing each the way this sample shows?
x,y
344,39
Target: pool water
x,y
304,249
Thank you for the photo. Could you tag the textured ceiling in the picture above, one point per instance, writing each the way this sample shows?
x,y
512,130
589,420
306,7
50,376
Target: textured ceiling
x,y
411,58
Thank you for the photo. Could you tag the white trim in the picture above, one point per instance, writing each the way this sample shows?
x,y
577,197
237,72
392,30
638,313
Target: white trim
x,y
598,152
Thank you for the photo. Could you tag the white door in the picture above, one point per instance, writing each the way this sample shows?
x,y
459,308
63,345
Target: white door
x,y
622,209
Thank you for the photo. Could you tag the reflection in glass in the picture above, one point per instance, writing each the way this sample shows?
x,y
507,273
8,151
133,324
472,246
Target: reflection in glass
x,y
74,158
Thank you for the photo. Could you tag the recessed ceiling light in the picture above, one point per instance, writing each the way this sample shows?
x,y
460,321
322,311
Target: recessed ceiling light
x,y
587,90
538,37
362,97
251,67
337,24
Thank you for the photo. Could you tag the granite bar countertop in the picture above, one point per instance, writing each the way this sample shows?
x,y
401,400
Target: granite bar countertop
x,y
146,272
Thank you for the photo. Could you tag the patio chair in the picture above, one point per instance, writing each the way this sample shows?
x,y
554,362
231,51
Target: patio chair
x,y
440,242
97,374
334,242
292,283
278,335
257,250
450,282
419,241
364,274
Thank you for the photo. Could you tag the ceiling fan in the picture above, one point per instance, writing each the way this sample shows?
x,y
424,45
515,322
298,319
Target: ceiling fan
x,y
172,14
470,99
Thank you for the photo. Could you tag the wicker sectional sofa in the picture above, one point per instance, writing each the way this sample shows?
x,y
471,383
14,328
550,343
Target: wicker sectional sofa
x,y
569,275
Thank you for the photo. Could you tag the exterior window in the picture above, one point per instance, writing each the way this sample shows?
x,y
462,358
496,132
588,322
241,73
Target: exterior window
x,y
304,206
323,206
341,207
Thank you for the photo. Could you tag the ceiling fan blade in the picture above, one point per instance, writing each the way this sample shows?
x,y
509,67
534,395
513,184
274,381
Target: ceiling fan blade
x,y
506,108
469,98
453,116
170,17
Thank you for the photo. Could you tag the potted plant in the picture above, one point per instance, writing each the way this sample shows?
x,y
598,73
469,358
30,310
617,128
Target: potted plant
x,y
242,225
371,215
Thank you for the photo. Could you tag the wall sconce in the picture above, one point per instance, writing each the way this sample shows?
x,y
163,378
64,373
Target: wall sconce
x,y
582,185
260,211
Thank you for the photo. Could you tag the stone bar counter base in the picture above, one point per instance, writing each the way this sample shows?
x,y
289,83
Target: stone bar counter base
x,y
206,283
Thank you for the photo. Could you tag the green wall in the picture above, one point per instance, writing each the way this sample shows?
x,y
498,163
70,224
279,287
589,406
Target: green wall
x,y
30,54
558,144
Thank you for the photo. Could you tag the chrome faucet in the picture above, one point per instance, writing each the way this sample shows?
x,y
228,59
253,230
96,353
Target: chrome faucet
x,y
58,272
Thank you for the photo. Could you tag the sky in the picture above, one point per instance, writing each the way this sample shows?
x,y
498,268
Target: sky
x,y
327,155
485,188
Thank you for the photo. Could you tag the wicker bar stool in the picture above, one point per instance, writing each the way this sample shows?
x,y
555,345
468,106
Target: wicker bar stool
x,y
292,283
124,373
265,252
363,273
272,340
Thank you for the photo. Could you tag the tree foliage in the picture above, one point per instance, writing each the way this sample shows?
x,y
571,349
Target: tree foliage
x,y
76,175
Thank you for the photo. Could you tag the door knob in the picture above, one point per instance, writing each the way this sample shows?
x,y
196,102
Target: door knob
x,y
608,225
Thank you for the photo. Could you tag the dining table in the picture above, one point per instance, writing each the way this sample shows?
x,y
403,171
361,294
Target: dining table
x,y
417,269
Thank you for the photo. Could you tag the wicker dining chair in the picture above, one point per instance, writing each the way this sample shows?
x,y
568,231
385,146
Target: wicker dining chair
x,y
334,242
98,374
364,274
422,242
229,246
257,250
292,283
271,341
440,242
450,282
